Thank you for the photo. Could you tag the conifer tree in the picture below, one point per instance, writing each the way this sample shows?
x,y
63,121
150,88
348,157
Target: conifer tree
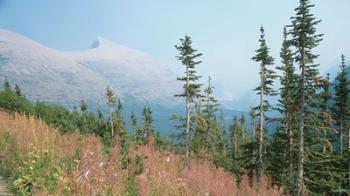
x,y
99,113
326,120
147,124
341,98
234,137
341,110
225,141
288,105
111,100
304,39
83,109
264,89
18,90
119,124
188,57
7,84
243,129
252,116
83,106
210,108
136,130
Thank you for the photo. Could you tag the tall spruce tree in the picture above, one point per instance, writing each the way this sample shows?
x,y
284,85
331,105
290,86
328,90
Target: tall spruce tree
x,y
263,90
326,120
304,39
287,104
210,108
341,108
188,57
234,137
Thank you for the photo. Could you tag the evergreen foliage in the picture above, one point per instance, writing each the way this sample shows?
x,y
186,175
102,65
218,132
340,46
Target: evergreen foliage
x,y
304,38
188,57
265,89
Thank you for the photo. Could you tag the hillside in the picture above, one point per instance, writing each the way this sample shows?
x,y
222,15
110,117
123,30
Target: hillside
x,y
73,76
41,161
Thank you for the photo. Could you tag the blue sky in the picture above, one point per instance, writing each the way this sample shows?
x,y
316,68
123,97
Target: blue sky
x,y
225,31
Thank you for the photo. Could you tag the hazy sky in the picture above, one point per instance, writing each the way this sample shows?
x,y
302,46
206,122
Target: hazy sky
x,y
225,31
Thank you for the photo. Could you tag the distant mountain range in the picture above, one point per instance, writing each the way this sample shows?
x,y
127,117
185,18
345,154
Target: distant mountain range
x,y
65,78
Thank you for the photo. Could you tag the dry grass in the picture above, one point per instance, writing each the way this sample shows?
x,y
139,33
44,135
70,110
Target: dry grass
x,y
90,172
93,174
164,175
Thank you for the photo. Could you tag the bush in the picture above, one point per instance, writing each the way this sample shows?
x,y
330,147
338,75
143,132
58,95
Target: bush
x,y
36,172
138,164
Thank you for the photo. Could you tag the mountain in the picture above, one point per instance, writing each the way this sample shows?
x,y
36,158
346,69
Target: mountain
x,y
46,74
130,72
65,78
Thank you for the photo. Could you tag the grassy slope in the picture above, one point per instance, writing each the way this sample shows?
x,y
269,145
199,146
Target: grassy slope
x,y
44,162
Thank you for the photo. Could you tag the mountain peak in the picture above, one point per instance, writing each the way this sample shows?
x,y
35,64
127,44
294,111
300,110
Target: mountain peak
x,y
103,42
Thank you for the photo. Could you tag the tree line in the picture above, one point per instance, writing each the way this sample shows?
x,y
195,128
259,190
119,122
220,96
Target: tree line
x,y
308,152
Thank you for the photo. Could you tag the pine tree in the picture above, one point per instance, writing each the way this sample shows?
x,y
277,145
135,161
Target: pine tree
x,y
83,106
7,84
147,124
83,109
119,124
18,90
234,137
304,39
322,169
264,89
210,108
252,116
341,109
136,130
243,129
111,100
326,120
99,113
188,57
288,105
225,139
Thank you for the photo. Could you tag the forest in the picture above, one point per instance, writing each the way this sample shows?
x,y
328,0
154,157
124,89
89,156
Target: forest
x,y
299,145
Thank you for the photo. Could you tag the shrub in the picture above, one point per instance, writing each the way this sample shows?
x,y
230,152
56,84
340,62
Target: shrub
x,y
138,164
36,172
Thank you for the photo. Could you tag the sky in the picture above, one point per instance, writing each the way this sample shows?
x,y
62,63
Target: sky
x,y
225,31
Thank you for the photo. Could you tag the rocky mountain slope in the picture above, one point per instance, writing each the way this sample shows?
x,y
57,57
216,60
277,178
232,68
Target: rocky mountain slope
x,y
50,75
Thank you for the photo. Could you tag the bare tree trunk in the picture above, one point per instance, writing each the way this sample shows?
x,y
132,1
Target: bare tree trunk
x,y
261,131
209,125
187,131
254,135
290,142
341,138
300,179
